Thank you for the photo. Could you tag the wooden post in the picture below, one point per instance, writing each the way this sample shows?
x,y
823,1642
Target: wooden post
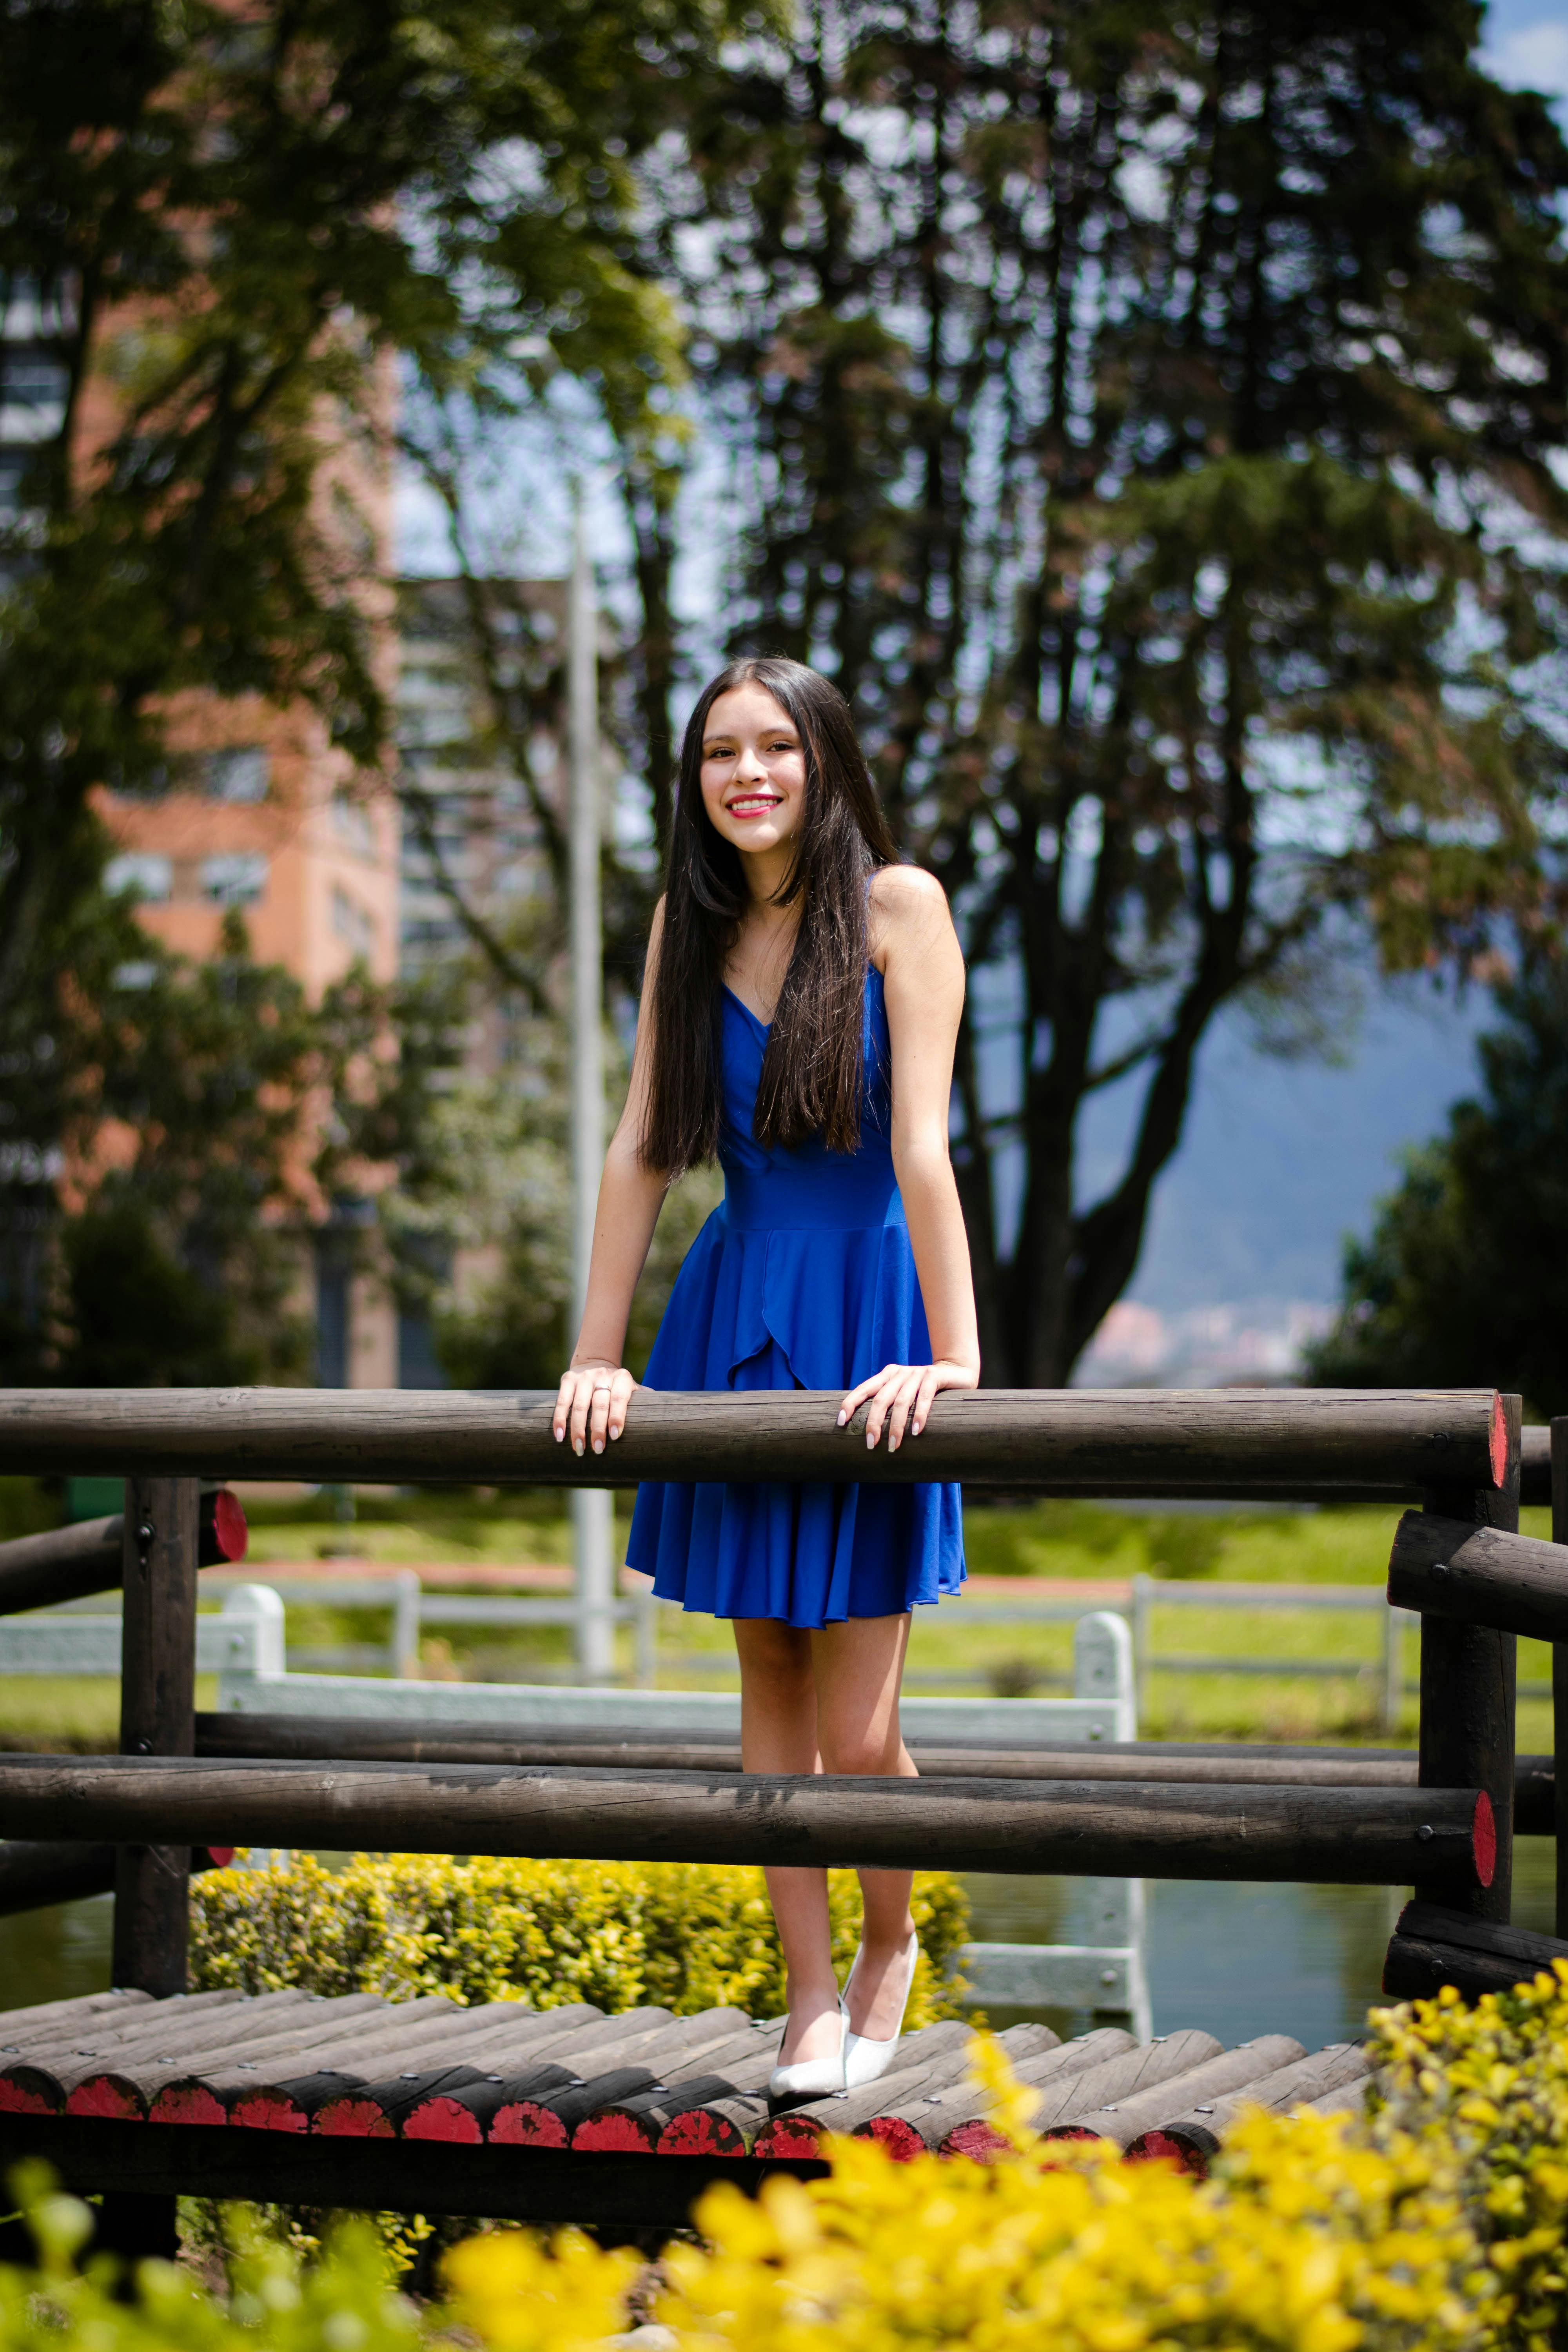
x,y
157,1717
1468,1689
1560,1671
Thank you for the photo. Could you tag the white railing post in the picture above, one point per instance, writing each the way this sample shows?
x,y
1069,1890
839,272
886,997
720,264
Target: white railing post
x,y
258,1609
402,1651
1142,1640
645,1637
1102,1666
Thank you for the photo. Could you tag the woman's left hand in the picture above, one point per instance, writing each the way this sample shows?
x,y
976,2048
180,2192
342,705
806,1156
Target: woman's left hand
x,y
900,1397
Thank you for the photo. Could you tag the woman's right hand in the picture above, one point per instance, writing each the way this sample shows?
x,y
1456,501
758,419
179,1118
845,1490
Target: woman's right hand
x,y
591,1403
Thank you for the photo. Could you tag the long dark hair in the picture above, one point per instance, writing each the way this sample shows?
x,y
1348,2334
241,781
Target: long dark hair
x,y
811,1077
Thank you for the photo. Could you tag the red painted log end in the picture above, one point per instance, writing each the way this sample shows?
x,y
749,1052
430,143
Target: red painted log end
x,y
187,2102
231,1537
617,2135
20,2098
789,2136
1499,1442
1484,1838
443,2118
522,2124
108,2097
270,2111
978,2140
1160,2148
352,2118
900,2139
698,2133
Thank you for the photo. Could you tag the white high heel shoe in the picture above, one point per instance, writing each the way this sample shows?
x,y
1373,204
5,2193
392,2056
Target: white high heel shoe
x,y
811,2078
865,2058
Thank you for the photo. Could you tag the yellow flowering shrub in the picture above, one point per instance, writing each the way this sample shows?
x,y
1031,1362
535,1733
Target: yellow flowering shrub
x,y
1429,2226
1490,2084
1305,2242
687,1935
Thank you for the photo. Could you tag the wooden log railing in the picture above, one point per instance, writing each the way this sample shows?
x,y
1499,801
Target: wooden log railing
x,y
1298,1444
72,1563
1461,1453
1479,1576
1470,1675
1377,1836
1535,1469
36,1872
1233,1764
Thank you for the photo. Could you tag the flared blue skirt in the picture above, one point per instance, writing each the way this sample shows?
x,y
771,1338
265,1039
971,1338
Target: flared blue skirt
x,y
818,1305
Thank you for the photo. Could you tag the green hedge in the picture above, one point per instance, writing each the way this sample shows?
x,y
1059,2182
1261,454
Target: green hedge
x,y
687,1935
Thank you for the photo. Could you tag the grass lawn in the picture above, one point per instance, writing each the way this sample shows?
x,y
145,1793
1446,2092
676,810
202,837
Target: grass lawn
x,y
947,1651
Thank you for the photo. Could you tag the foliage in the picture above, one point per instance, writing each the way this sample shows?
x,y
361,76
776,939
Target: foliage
x,y
228,242
1147,413
684,1936
438,186
1492,2082
346,2304
205,1113
1464,1280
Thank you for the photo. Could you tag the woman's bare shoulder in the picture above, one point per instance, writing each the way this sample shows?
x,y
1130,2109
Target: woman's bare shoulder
x,y
907,906
905,897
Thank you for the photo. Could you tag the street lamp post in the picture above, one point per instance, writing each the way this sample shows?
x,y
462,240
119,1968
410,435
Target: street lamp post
x,y
593,1508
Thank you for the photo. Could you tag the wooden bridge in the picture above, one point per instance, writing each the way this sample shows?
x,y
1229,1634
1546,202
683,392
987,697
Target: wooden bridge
x,y
564,2114
300,2099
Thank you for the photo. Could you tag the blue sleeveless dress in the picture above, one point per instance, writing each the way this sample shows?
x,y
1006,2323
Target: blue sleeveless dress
x,y
803,1277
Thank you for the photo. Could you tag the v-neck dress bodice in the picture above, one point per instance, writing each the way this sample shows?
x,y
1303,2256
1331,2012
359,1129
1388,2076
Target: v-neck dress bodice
x,y
803,1277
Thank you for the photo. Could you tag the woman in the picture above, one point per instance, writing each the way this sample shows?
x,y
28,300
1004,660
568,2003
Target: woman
x,y
801,1007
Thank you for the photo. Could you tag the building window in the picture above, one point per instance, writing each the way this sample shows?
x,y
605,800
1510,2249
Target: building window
x,y
143,871
34,380
240,773
14,464
352,923
236,878
353,820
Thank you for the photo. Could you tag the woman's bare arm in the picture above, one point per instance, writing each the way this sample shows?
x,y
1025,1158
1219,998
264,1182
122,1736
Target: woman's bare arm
x,y
917,949
591,1405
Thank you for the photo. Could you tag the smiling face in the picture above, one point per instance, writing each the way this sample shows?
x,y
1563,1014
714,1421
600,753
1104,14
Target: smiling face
x,y
753,770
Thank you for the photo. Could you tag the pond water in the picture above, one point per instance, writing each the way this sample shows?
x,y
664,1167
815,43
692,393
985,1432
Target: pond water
x,y
1237,1959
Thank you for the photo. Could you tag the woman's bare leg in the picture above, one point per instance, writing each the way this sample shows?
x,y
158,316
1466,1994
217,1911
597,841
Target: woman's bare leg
x,y
859,1666
778,1734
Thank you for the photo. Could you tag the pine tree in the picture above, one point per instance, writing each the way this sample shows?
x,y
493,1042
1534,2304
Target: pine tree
x,y
1464,1280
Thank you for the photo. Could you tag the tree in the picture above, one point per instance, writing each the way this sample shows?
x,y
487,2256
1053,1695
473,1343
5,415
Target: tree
x,y
1147,413
208,1116
238,236
1464,1281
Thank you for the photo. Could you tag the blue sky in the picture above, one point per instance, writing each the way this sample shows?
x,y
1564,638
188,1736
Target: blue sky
x,y
1526,45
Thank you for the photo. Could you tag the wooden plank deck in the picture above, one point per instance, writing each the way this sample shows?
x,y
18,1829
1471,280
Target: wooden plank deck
x,y
555,2114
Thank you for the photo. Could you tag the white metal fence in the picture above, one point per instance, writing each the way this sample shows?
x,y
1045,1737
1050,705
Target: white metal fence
x,y
244,1645
411,1607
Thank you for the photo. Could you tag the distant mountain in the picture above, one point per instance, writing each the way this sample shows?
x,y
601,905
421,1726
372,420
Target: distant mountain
x,y
1280,1162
